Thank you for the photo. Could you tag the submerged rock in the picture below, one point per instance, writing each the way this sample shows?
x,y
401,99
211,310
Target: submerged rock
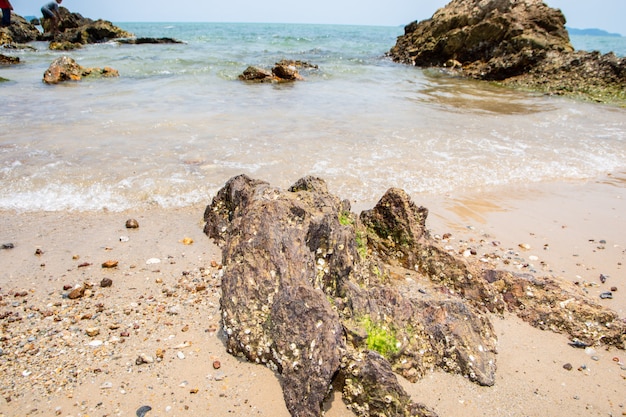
x,y
283,71
324,297
141,41
66,69
9,60
518,42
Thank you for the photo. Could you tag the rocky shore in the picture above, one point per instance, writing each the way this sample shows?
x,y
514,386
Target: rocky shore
x,y
518,43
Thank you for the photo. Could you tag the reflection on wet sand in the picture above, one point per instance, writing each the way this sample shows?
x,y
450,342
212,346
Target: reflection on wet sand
x,y
454,94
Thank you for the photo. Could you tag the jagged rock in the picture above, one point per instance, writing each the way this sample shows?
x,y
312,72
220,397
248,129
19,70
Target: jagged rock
x,y
297,63
256,74
64,46
20,31
321,295
76,29
286,72
485,30
520,42
560,306
9,60
66,69
364,373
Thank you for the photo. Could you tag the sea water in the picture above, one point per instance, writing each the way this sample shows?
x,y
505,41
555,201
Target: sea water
x,y
177,123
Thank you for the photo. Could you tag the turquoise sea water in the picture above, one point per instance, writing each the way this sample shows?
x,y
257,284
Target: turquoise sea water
x,y
177,123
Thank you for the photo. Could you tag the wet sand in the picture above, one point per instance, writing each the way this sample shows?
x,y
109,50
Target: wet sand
x,y
153,339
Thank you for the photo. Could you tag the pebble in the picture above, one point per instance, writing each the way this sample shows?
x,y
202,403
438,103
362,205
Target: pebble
x,y
132,224
110,264
143,358
524,246
76,293
217,365
152,261
180,355
124,239
106,385
92,331
8,246
141,411
606,295
106,282
95,343
568,366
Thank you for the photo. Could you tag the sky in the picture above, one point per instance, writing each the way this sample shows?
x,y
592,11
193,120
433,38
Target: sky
x,y
609,15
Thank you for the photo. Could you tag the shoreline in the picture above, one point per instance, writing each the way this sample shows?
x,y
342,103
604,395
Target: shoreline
x,y
156,329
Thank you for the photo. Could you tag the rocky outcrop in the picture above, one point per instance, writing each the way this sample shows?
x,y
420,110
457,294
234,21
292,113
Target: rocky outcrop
x,y
76,29
66,69
323,296
518,42
20,31
73,29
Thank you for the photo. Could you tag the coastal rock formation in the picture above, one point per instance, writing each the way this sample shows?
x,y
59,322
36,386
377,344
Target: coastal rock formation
x,y
76,29
324,296
517,42
66,69
20,31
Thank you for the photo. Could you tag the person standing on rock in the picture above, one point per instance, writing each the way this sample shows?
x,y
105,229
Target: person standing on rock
x,y
51,11
6,7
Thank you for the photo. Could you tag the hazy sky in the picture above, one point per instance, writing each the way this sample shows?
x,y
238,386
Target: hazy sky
x,y
605,14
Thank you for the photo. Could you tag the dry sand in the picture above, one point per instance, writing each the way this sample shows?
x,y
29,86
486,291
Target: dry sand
x,y
168,312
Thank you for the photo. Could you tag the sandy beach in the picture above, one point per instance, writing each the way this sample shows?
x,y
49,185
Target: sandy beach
x,y
153,338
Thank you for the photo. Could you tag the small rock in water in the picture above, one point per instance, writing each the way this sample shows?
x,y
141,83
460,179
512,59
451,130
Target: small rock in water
x,y
606,295
132,224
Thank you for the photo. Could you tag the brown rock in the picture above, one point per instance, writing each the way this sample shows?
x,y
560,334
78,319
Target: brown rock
x,y
110,264
106,282
66,69
76,293
521,43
